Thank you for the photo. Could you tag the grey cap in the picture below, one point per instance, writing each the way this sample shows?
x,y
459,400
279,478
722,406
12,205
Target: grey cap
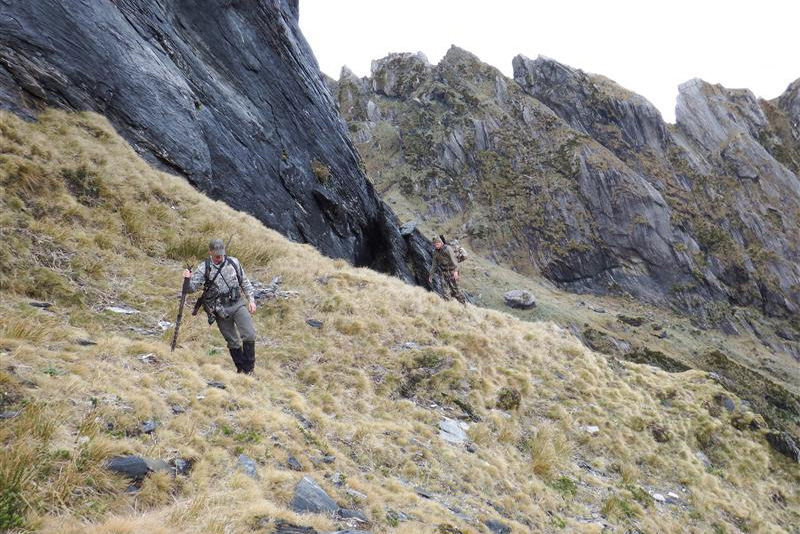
x,y
436,239
217,247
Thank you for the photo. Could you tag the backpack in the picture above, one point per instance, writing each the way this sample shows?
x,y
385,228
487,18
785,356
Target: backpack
x,y
458,250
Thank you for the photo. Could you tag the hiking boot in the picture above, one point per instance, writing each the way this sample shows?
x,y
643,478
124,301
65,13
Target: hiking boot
x,y
248,356
238,358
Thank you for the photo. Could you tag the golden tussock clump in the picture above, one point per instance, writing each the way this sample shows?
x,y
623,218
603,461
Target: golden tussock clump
x,y
87,225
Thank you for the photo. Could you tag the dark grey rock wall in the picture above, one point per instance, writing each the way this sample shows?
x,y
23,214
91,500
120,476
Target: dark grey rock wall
x,y
225,93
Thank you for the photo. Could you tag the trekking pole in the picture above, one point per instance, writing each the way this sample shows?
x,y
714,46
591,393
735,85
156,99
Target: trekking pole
x,y
184,292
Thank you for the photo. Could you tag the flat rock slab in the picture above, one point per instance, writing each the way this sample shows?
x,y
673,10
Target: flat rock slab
x,y
310,498
313,323
352,514
453,431
136,467
519,299
248,466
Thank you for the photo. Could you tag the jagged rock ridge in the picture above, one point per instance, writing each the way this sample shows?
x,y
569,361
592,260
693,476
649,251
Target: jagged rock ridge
x,y
568,174
226,94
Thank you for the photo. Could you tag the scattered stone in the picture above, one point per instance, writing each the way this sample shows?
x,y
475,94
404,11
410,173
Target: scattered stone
x,y
8,415
519,299
508,398
725,402
658,497
352,514
394,517
293,464
784,444
466,407
181,466
148,358
216,384
248,466
282,527
497,527
662,334
338,479
177,409
422,492
598,310
323,460
591,429
136,467
631,321
357,495
148,427
310,498
120,310
471,448
313,323
452,431
660,433
673,498
408,228
43,305
86,342
408,345
446,528
700,455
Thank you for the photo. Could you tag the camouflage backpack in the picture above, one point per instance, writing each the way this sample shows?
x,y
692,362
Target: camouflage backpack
x,y
458,250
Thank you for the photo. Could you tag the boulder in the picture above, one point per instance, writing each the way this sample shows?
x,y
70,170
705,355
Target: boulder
x,y
453,431
519,299
310,498
783,443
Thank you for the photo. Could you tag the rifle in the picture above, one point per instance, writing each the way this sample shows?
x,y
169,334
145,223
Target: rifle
x,y
184,292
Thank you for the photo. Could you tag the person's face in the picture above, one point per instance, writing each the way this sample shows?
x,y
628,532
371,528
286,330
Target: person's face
x,y
438,245
215,258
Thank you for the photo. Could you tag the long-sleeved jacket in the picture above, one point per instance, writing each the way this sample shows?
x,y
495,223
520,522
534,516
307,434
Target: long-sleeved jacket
x,y
445,259
226,280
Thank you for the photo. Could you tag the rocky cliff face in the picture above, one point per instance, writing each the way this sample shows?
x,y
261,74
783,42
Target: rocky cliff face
x,y
568,174
227,94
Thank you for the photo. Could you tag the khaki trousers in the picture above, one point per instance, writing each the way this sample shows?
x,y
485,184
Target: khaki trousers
x,y
238,320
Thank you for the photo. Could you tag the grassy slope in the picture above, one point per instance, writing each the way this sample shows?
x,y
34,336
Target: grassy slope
x,y
86,224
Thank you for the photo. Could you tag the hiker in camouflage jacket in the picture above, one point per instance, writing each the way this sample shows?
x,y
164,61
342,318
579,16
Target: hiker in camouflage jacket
x,y
445,260
232,301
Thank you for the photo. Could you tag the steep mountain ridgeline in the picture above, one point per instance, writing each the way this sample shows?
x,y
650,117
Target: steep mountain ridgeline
x,y
568,174
227,94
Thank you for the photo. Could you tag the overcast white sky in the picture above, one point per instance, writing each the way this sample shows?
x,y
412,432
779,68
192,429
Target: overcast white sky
x,y
648,47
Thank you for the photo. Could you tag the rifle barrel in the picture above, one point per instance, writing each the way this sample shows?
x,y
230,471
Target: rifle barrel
x,y
184,292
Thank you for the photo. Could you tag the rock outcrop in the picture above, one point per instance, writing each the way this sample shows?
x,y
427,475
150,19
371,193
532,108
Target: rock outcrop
x,y
227,95
566,174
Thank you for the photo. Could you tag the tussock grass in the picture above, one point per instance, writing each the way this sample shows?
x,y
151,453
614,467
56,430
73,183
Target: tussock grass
x,y
105,229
